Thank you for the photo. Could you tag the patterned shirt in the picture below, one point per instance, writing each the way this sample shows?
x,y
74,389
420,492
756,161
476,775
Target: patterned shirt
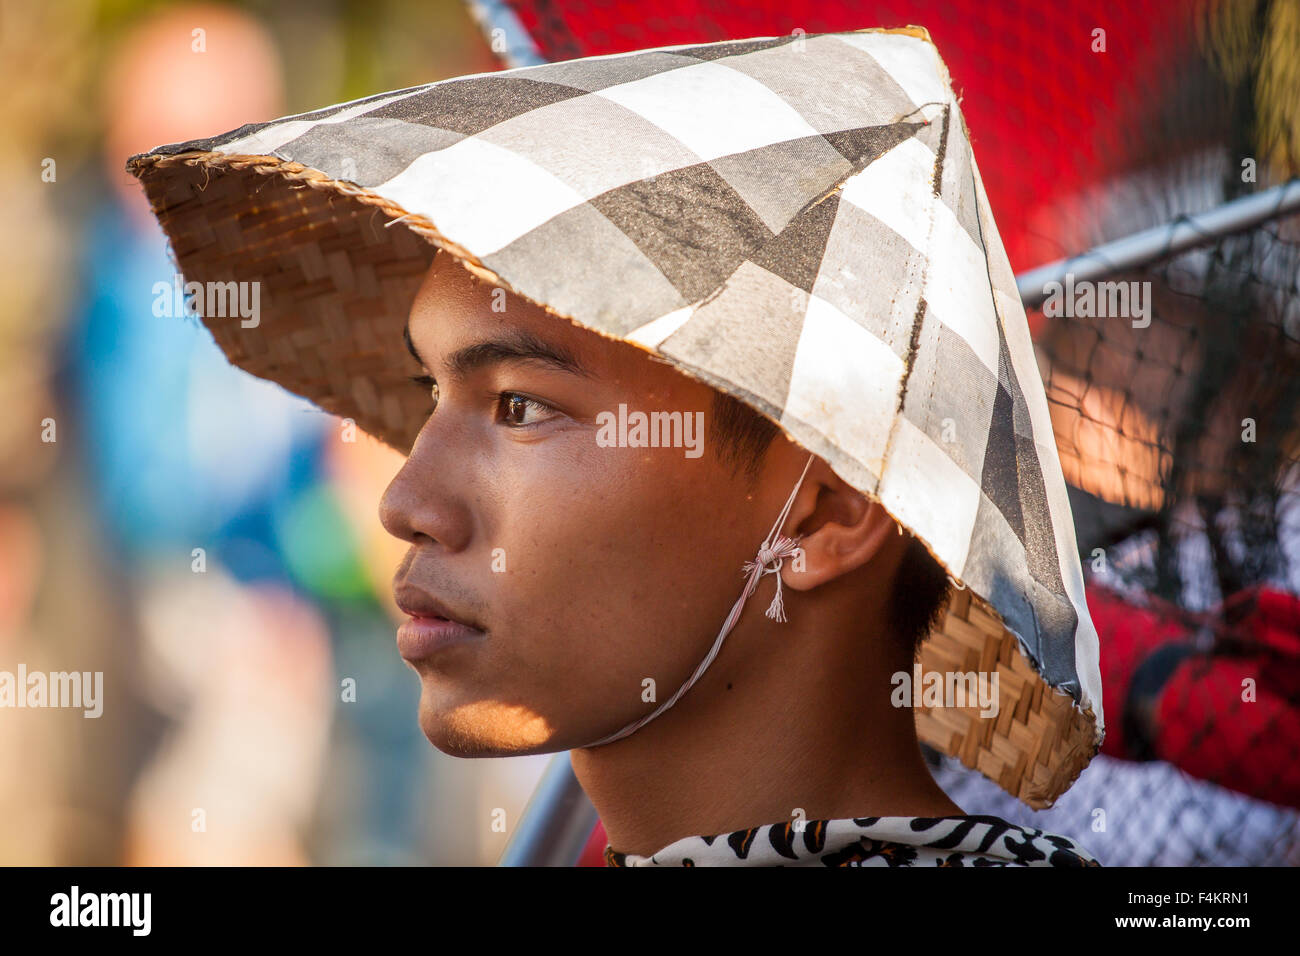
x,y
971,840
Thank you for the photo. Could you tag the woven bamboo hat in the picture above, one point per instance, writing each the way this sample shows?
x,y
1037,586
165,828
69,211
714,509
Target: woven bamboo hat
x,y
796,220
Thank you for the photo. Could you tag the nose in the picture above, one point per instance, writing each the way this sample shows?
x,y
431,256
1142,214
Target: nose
x,y
419,506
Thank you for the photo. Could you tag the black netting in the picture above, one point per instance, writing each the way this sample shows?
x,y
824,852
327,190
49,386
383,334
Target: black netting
x,y
1177,416
1185,433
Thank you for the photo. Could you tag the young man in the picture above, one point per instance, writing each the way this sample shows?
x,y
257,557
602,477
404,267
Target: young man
x,y
550,577
709,327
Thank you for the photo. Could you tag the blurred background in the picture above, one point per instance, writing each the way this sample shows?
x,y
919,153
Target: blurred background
x,y
265,691
190,532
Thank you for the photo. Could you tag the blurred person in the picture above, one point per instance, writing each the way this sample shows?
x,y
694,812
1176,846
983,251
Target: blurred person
x,y
553,567
164,78
176,487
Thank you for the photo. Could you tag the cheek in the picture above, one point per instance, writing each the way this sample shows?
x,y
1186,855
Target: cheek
x,y
623,570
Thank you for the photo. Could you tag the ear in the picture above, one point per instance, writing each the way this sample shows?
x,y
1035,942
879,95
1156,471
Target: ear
x,y
842,529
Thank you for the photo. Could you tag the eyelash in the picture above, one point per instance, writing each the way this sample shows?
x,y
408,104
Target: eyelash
x,y
428,382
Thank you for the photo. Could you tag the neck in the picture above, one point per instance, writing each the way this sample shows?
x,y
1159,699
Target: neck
x,y
790,717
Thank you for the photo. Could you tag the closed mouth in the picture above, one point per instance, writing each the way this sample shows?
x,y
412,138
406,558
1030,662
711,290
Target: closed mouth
x,y
418,603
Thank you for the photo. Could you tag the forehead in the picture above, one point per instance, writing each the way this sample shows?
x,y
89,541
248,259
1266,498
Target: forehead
x,y
451,302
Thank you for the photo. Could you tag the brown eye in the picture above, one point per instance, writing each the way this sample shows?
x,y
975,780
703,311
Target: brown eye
x,y
519,411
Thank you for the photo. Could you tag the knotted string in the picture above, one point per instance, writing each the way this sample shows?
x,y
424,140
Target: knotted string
x,y
776,548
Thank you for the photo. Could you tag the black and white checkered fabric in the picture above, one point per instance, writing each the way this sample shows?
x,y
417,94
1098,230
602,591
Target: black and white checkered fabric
x,y
797,220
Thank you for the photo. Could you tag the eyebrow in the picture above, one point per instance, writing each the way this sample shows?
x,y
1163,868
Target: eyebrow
x,y
517,345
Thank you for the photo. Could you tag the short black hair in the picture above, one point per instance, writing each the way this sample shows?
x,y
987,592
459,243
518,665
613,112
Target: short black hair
x,y
921,596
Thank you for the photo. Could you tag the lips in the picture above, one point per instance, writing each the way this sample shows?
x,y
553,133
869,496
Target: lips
x,y
433,627
418,603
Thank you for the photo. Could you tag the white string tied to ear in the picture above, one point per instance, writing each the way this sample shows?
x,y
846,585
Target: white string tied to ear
x,y
771,556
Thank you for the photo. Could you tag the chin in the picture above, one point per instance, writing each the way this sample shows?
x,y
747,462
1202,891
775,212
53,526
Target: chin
x,y
484,729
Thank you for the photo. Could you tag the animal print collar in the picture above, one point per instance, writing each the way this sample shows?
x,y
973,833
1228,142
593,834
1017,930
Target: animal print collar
x,y
871,841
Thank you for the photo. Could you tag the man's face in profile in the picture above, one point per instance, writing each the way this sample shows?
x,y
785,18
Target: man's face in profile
x,y
582,570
